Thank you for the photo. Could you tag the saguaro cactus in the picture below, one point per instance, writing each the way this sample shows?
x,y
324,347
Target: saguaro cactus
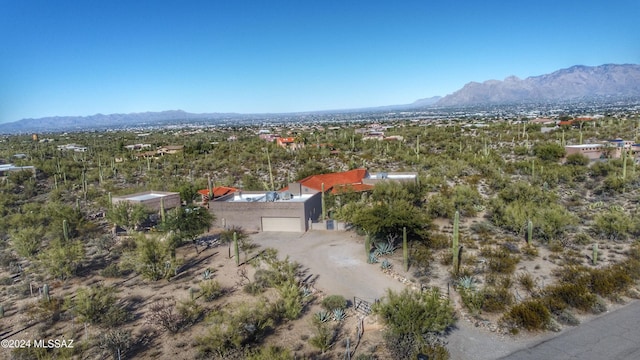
x,y
405,249
65,229
367,246
163,216
324,211
595,254
236,248
45,292
1,311
455,244
529,231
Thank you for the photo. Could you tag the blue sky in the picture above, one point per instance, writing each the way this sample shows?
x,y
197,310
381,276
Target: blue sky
x,y
82,57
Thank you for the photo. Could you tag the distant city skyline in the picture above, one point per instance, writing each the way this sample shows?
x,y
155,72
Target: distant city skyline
x,y
79,58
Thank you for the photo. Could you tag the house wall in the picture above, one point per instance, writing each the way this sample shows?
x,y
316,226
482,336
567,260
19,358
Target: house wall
x,y
593,153
171,200
249,215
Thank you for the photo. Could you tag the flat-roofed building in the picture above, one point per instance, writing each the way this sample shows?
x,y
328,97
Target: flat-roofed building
x,y
591,151
152,200
267,211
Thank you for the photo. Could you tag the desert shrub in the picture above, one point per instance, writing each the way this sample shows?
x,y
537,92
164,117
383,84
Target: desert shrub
x,y
439,241
502,262
576,295
472,299
254,288
496,299
577,159
530,315
526,281
270,353
609,281
548,151
116,342
567,318
324,337
291,300
211,290
332,302
111,271
97,305
599,306
415,312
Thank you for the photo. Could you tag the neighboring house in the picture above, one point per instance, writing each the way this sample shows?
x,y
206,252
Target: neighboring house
x,y
591,151
289,143
218,191
618,145
267,211
151,199
5,169
72,147
353,180
170,149
137,146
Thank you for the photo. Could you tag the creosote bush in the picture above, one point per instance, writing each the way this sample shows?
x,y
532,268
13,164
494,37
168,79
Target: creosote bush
x,y
332,302
529,315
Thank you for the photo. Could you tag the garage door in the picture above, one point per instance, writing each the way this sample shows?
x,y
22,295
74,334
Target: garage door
x,y
281,224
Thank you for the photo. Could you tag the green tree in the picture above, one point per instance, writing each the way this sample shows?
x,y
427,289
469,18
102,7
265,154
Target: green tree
x,y
127,215
97,305
548,151
27,240
414,316
152,258
187,223
61,259
613,225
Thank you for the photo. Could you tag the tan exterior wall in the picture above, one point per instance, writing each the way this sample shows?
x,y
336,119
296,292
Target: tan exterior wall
x,y
171,200
593,153
249,215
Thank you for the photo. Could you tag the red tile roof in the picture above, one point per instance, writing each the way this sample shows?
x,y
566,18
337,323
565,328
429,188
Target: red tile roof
x,y
218,191
351,177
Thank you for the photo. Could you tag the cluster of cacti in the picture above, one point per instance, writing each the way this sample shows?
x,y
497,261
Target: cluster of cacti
x,y
455,247
405,249
595,254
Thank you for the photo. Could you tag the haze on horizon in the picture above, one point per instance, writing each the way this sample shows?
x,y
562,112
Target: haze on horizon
x,y
81,58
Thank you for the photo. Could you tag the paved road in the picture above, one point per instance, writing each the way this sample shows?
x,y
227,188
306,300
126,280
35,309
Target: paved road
x,y
613,336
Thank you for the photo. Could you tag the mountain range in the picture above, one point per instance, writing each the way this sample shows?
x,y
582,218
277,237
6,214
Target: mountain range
x,y
574,83
604,82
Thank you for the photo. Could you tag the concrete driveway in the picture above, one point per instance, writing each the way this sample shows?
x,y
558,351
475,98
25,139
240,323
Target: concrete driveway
x,y
336,258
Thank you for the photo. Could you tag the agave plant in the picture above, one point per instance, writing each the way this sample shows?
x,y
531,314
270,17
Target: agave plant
x,y
467,283
206,275
305,291
385,265
373,258
339,315
322,316
384,248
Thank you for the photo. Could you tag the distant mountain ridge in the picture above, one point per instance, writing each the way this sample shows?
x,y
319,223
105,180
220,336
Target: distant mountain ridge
x,y
576,82
608,82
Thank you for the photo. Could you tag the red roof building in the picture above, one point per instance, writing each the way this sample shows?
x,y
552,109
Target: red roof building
x,y
218,191
352,180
